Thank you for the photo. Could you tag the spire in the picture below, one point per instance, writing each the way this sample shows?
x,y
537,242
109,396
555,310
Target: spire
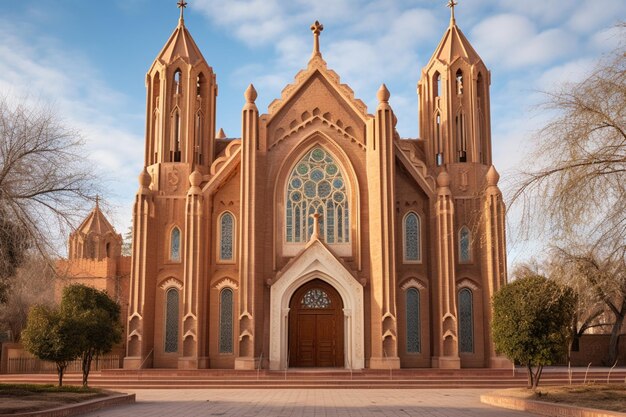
x,y
181,5
451,4
316,28
96,222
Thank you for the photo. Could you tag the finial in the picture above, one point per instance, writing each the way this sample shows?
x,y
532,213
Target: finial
x,y
250,94
383,94
181,5
316,28
98,201
451,4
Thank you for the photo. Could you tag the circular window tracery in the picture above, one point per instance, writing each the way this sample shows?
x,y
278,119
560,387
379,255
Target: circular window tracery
x,y
315,298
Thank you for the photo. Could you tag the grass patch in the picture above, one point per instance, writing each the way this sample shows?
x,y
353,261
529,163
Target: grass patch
x,y
600,396
23,398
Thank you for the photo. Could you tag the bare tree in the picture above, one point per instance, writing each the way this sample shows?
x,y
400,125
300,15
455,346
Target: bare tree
x,y
32,284
44,183
576,183
600,282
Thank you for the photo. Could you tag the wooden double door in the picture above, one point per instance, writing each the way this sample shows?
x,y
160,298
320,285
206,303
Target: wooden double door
x,y
316,326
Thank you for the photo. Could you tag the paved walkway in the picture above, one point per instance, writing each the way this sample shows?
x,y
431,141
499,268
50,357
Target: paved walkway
x,y
309,402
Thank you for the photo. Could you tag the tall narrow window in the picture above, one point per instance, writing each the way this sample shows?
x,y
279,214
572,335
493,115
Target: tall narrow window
x,y
437,85
461,137
226,236
176,135
317,185
178,78
465,244
199,140
482,123
171,320
226,321
413,321
412,237
438,141
175,245
466,323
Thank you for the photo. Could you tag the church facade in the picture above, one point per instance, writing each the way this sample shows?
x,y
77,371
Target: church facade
x,y
320,237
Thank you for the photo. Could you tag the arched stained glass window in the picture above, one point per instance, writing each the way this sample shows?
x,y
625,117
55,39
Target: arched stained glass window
x,y
465,241
171,320
226,321
226,236
316,298
175,245
413,321
316,185
466,321
412,237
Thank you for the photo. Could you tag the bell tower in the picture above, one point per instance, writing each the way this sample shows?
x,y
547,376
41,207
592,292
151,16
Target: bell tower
x,y
181,97
454,102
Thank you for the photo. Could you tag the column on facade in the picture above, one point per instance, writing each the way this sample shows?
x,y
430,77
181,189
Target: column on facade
x,y
495,259
194,302
247,261
140,333
381,171
447,353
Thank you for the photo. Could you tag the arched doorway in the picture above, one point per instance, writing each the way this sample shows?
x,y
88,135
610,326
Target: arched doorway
x,y
316,326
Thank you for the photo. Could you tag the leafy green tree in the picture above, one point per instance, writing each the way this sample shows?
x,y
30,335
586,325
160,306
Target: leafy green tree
x,y
531,323
51,336
97,318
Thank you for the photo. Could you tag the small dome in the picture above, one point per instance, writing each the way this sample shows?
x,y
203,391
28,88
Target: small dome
x,y
492,176
195,179
443,179
145,179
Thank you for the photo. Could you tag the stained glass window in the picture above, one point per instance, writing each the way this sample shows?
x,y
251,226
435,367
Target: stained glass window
x,y
226,236
412,237
465,240
316,185
171,320
466,323
226,321
315,298
175,245
412,320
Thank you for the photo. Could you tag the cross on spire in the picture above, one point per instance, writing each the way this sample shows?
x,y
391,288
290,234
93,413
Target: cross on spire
x,y
181,5
451,4
316,28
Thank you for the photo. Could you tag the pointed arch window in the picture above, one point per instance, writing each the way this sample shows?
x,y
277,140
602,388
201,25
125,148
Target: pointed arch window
x,y
199,151
178,82
482,123
317,185
437,85
459,82
413,342
465,244
171,320
227,226
175,152
412,237
175,245
466,321
226,321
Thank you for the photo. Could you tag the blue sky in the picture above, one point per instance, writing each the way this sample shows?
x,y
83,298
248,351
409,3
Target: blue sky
x,y
89,58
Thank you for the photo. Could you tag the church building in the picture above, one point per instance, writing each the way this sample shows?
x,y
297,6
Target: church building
x,y
320,237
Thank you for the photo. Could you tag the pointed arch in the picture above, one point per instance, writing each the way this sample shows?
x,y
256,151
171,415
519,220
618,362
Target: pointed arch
x,y
411,237
461,136
175,148
465,244
177,82
482,121
459,82
436,83
439,147
175,244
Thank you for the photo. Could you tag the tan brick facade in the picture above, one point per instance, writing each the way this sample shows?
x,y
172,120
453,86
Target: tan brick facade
x,y
408,233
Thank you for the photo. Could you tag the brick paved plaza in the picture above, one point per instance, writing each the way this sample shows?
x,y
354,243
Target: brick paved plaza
x,y
308,402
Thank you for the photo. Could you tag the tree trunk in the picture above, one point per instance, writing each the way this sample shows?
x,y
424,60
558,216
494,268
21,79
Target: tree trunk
x,y
615,330
530,377
537,376
60,371
87,357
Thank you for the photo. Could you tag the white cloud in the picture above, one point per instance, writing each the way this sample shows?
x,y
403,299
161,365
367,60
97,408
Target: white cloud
x,y
513,41
592,14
